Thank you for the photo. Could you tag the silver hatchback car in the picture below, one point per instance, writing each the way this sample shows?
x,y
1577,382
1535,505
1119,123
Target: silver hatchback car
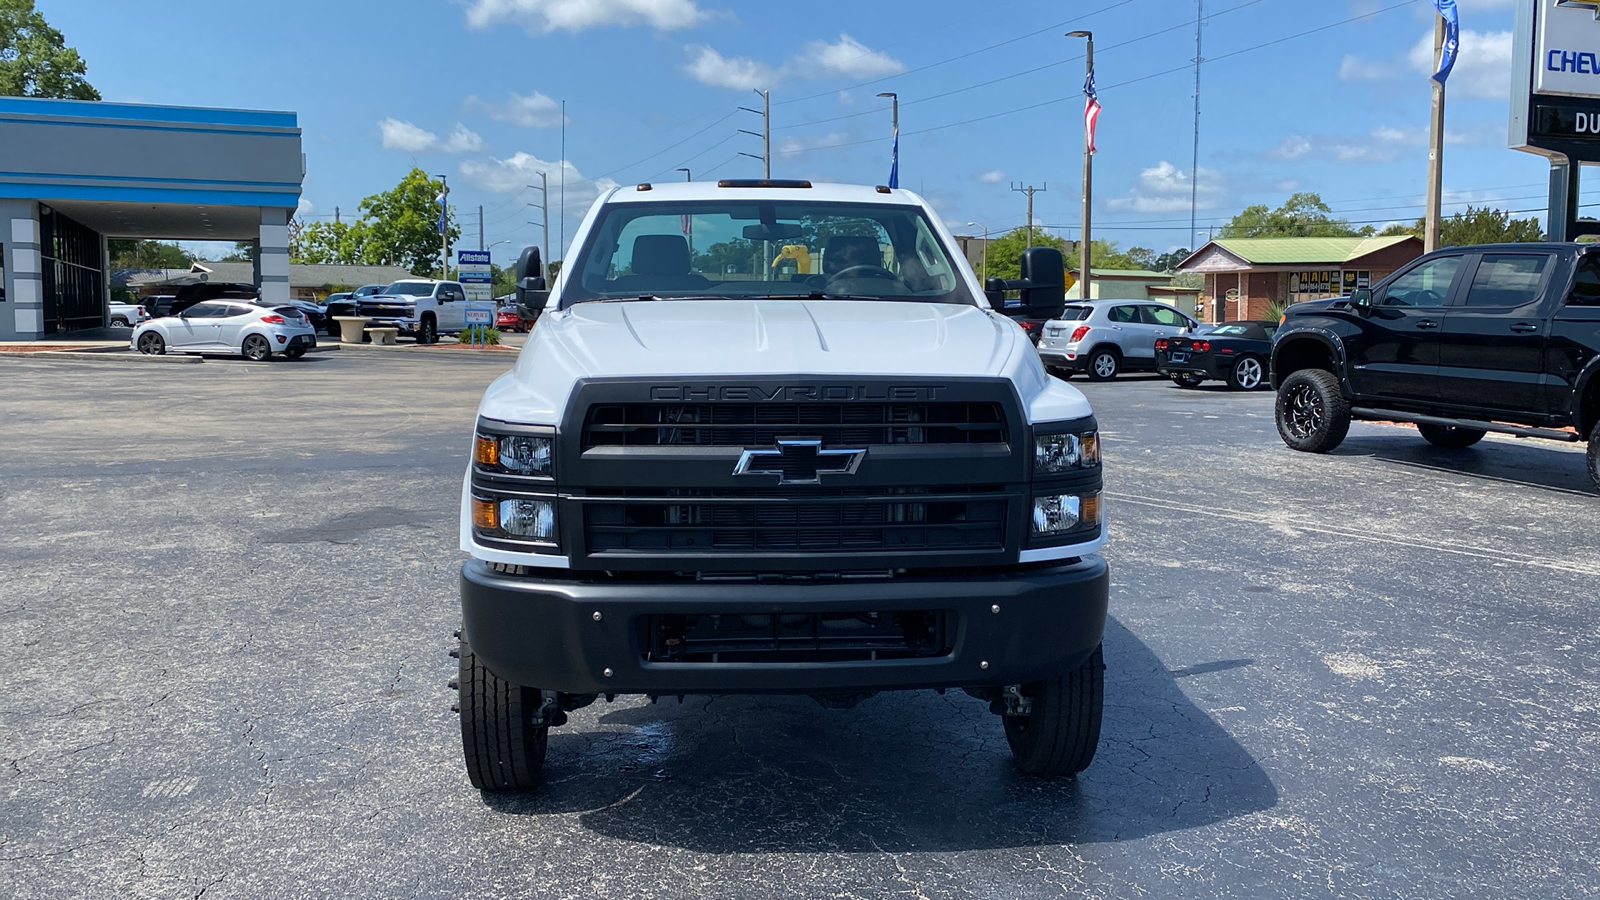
x,y
1105,337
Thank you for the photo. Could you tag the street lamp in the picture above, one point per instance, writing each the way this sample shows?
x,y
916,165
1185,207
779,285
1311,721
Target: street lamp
x,y
1088,167
686,175
985,247
894,166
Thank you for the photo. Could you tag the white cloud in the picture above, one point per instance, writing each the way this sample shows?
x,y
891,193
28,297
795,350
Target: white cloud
x,y
1385,143
1483,64
304,207
993,176
1166,188
512,174
546,16
800,144
1294,146
534,110
408,138
1354,68
818,59
738,73
847,56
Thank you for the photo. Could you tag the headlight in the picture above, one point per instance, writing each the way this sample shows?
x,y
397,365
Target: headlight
x,y
1057,453
518,454
1055,514
524,518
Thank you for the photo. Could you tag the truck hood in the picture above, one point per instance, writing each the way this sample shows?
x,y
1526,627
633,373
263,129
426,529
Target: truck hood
x,y
755,338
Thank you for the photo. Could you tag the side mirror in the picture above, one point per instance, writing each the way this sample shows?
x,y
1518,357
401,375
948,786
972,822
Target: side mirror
x,y
1361,301
1044,287
531,292
995,290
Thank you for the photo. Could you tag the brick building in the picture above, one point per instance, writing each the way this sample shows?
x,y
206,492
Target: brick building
x,y
1251,274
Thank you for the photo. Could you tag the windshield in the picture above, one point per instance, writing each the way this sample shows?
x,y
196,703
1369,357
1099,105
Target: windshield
x,y
764,249
410,288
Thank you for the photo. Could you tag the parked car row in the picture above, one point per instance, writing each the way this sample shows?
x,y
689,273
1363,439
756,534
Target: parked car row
x,y
1104,338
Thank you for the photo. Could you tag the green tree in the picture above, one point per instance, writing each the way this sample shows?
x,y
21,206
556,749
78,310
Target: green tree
x,y
1005,252
402,224
1107,256
737,255
1302,215
1476,226
130,253
34,58
341,243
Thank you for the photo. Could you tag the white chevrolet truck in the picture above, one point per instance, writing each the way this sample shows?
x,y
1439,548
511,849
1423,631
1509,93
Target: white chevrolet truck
x,y
709,473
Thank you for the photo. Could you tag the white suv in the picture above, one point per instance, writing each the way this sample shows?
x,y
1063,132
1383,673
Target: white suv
x,y
1105,337
418,306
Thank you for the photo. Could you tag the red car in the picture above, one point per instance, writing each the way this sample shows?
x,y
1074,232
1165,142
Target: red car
x,y
508,320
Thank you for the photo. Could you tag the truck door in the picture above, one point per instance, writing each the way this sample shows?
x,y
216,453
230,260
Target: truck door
x,y
452,307
1396,354
1491,348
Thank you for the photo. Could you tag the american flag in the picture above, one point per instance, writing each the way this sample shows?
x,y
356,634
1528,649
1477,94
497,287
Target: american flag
x,y
1091,109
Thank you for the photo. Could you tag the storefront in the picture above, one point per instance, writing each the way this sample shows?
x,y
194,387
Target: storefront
x,y
75,173
1245,277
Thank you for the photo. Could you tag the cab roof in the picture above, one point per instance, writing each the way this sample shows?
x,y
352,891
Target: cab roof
x,y
760,189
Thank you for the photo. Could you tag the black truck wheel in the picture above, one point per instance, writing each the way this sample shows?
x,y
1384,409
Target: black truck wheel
x,y
1059,734
429,332
1449,436
1594,455
504,750
1313,415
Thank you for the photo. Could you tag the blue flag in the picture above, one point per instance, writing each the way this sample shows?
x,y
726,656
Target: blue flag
x,y
894,163
444,209
1452,38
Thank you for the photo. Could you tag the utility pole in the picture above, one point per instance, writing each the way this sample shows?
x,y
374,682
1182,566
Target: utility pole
x,y
1194,166
336,215
1430,231
1085,269
480,226
1029,190
766,133
444,230
544,207
563,188
985,248
688,221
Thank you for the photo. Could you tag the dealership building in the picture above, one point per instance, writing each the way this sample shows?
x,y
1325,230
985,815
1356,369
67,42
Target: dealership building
x,y
1246,276
75,173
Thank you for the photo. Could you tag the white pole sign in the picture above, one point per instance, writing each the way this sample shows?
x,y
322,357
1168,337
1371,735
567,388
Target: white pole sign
x,y
1567,49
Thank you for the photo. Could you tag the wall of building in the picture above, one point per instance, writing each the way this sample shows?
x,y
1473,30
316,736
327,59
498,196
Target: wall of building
x,y
22,309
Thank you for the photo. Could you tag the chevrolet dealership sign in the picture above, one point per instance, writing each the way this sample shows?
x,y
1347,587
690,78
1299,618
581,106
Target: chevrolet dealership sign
x,y
1555,79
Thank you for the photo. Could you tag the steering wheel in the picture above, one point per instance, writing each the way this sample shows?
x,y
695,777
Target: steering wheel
x,y
864,272
1423,298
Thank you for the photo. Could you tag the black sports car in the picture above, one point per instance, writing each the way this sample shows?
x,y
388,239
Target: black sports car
x,y
1235,352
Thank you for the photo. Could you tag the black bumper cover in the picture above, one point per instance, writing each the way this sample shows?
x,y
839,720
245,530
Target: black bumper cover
x,y
544,632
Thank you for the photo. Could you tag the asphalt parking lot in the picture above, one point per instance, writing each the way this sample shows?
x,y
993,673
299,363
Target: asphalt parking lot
x,y
227,593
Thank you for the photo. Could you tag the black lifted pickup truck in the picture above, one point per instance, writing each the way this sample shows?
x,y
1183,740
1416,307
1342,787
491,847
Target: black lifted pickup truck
x,y
1464,341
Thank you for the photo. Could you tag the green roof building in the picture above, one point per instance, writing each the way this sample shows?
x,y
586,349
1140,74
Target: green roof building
x,y
1244,276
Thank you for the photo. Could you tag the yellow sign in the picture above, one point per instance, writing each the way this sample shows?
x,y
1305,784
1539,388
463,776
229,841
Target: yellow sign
x,y
1072,281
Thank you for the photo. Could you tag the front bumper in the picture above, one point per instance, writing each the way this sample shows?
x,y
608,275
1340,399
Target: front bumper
x,y
406,326
566,634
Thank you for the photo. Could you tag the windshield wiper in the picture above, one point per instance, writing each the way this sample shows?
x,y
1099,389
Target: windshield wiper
x,y
668,297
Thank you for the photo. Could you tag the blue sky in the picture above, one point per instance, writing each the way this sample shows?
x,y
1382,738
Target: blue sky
x,y
472,88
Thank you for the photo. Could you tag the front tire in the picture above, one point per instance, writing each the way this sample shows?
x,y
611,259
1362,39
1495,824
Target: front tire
x,y
1059,736
504,750
1449,437
428,333
1313,415
1247,374
152,344
1104,365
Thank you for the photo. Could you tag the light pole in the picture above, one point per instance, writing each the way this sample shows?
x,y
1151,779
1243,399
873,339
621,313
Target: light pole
x,y
544,207
688,221
444,229
985,247
1088,166
894,165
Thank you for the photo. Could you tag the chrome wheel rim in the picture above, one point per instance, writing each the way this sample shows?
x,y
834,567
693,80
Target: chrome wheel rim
x,y
1304,413
150,343
1249,374
253,347
1105,365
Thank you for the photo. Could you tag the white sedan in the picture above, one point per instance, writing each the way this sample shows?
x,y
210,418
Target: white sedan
x,y
229,326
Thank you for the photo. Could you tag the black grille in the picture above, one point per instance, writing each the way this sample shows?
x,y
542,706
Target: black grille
x,y
760,424
769,521
796,637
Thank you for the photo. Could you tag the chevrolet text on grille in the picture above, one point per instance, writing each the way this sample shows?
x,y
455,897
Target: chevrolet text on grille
x,y
896,393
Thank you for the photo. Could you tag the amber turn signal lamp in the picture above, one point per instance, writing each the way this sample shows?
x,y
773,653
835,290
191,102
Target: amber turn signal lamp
x,y
485,514
486,451
1091,508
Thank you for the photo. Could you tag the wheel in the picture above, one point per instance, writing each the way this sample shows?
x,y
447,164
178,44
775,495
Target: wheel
x,y
1103,365
428,333
152,343
119,322
1187,380
1449,436
255,348
504,750
1247,374
1313,416
1059,735
1594,455
294,353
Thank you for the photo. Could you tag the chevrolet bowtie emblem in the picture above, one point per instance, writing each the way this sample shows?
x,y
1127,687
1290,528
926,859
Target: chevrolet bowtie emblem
x,y
798,461
1592,5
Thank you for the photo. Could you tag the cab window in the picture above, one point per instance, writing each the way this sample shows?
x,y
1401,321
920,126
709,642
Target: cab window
x,y
1507,280
1427,285
1586,287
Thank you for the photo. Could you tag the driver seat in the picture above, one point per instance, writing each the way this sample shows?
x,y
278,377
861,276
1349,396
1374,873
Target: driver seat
x,y
845,251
